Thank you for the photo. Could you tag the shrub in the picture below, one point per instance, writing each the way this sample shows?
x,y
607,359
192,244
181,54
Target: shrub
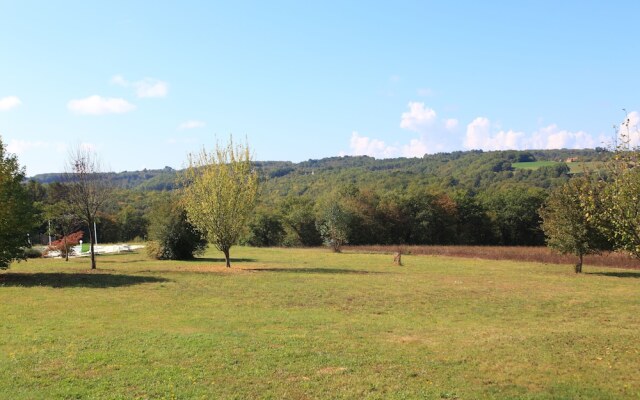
x,y
171,235
64,244
32,252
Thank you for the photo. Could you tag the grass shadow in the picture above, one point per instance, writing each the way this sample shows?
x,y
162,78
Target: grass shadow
x,y
315,271
617,274
80,280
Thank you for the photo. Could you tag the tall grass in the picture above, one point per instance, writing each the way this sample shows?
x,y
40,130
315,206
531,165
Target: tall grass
x,y
531,254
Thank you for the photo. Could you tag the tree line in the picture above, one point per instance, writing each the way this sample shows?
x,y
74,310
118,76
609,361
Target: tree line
x,y
460,198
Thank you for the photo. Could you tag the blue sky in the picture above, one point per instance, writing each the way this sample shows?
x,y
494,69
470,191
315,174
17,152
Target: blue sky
x,y
144,83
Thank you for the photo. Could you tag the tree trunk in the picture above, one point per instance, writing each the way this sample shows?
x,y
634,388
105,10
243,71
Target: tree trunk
x,y
579,265
66,248
226,257
93,254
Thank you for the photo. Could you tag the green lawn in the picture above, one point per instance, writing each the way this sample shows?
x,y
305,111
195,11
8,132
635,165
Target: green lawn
x,y
533,165
302,324
574,167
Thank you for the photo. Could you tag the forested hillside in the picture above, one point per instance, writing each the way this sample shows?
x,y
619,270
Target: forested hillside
x,y
471,197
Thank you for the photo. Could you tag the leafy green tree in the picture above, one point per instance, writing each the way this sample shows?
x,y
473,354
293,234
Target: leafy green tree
x,y
171,235
220,192
566,222
16,211
300,221
265,230
515,214
333,222
615,199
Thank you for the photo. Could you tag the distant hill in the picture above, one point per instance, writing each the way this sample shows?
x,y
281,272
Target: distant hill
x,y
470,170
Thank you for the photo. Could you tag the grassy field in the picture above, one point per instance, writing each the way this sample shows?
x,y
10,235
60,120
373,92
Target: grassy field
x,y
306,323
574,167
533,165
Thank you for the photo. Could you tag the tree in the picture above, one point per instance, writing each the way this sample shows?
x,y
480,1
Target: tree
x,y
334,222
171,235
89,190
16,211
300,221
566,222
220,191
265,230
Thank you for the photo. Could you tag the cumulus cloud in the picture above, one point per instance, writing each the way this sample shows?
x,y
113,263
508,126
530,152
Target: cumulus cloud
x,y
481,134
98,105
145,88
9,102
151,88
415,148
191,124
432,134
365,146
417,118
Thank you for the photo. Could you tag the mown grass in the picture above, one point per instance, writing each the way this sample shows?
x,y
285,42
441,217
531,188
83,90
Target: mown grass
x,y
533,165
306,323
577,167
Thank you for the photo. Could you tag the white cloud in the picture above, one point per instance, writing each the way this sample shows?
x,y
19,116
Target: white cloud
x,y
365,146
119,80
418,118
7,103
415,148
191,124
98,105
149,87
551,137
481,135
145,88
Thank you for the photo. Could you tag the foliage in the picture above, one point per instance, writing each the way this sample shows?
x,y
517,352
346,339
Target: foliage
x,y
299,221
566,223
616,197
65,243
265,230
32,252
333,223
16,210
515,215
171,235
220,192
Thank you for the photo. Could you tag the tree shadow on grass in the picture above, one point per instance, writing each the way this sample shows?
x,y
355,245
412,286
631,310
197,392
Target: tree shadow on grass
x,y
617,274
80,280
222,260
315,271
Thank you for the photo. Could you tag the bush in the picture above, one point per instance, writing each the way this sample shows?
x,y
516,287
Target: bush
x,y
171,235
64,245
32,252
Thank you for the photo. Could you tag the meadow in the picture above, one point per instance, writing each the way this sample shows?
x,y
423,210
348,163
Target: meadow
x,y
308,323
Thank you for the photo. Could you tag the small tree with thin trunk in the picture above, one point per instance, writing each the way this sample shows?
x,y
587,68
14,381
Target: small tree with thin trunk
x,y
89,190
220,191
566,221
